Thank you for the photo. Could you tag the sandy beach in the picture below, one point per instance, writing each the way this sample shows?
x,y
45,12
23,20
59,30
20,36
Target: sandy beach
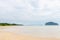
x,y
29,33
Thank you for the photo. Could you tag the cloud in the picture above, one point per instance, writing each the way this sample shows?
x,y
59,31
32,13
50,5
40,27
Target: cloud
x,y
29,10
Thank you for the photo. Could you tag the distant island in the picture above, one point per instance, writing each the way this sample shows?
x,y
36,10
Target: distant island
x,y
8,24
51,23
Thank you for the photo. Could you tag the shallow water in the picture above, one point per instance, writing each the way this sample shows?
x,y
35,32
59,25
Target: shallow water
x,y
39,31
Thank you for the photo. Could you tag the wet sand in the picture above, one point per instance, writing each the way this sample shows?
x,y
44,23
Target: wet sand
x,y
29,33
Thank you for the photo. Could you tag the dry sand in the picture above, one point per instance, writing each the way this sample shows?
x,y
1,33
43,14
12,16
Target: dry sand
x,y
8,35
13,36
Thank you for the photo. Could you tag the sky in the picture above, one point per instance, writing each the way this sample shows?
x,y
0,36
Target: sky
x,y
30,12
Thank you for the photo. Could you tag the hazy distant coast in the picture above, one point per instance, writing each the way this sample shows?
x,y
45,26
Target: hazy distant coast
x,y
10,24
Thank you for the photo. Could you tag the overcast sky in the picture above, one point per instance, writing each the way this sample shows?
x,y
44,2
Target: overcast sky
x,y
29,12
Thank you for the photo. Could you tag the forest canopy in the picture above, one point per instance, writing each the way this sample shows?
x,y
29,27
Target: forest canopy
x,y
9,24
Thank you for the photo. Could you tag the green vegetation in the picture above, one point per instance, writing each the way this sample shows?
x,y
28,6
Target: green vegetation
x,y
8,24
